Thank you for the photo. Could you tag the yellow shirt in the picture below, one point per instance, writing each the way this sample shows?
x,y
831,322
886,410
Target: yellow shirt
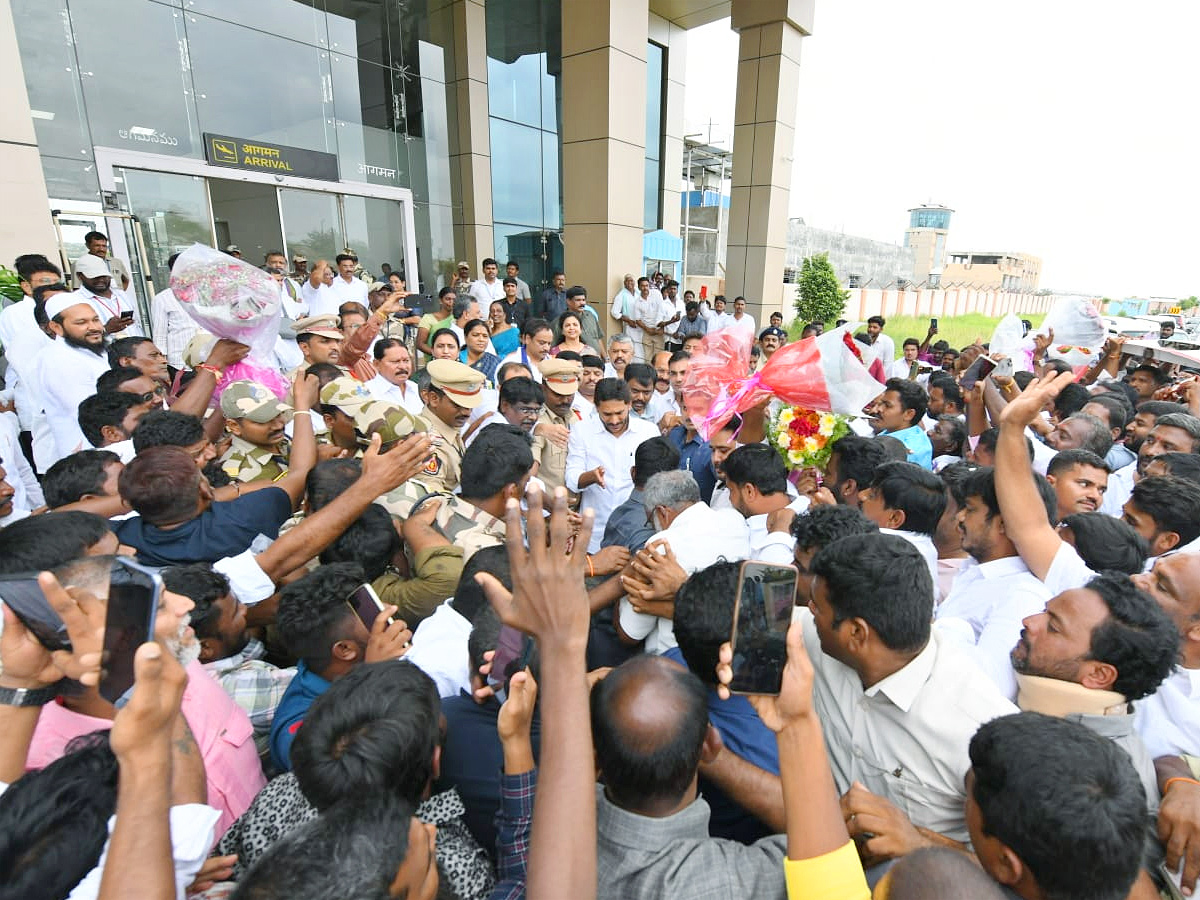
x,y
833,876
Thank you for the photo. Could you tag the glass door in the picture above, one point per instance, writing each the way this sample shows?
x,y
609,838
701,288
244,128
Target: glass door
x,y
172,213
375,232
312,225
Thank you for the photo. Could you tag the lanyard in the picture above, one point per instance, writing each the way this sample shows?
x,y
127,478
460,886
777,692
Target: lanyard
x,y
108,309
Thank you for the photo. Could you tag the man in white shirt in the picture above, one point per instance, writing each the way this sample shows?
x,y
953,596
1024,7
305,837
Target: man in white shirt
x,y
697,535
718,319
757,482
488,288
879,345
672,297
600,454
647,313
622,350
394,365
624,301
97,246
907,500
994,591
345,285
70,366
23,341
115,308
902,367
742,320
170,326
898,704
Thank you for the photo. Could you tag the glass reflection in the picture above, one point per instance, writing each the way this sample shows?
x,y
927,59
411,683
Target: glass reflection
x,y
312,226
254,85
121,111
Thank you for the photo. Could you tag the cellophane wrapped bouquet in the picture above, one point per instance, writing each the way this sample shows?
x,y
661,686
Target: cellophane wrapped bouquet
x,y
804,438
232,299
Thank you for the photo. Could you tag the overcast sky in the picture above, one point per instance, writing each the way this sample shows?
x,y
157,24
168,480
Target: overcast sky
x,y
1063,128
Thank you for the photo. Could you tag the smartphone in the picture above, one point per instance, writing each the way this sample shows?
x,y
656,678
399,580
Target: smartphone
x,y
20,593
762,614
366,604
981,368
513,649
1004,368
134,592
933,324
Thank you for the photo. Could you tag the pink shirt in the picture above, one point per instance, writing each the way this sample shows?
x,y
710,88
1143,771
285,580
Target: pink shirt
x,y
221,728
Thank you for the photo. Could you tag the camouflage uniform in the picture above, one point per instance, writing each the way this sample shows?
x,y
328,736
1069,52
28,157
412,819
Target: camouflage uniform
x,y
463,524
247,462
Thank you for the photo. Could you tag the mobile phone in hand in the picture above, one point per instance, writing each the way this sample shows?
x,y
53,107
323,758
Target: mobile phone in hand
x,y
366,605
22,594
513,649
134,593
762,614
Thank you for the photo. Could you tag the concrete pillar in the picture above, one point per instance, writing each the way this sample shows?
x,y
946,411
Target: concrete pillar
x,y
25,226
763,136
470,133
603,143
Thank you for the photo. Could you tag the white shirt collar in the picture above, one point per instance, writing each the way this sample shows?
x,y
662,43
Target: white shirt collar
x,y
904,686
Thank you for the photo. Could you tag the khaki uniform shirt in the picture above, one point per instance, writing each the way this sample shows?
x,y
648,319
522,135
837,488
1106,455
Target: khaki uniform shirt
x,y
247,462
462,523
444,468
551,458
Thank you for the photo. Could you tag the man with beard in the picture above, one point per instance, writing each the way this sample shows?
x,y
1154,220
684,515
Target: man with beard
x,y
228,653
219,730
69,367
600,453
114,307
1090,654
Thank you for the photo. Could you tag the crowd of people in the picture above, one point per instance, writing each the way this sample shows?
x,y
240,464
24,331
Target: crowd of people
x,y
453,617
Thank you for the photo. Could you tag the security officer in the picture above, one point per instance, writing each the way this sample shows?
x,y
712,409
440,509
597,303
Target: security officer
x,y
770,340
319,339
454,390
341,400
256,419
560,381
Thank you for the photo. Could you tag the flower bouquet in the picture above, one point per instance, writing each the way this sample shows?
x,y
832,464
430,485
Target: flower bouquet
x,y
232,299
804,438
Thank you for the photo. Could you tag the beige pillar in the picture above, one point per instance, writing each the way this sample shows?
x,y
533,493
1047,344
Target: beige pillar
x,y
470,137
603,142
25,225
763,137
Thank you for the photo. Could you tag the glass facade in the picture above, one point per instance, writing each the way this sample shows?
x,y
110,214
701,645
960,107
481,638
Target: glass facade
x,y
524,50
362,79
655,101
929,217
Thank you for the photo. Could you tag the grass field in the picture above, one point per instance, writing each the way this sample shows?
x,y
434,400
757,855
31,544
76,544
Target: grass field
x,y
959,331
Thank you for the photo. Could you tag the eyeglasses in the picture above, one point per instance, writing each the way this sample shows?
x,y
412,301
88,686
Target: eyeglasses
x,y
529,410
157,394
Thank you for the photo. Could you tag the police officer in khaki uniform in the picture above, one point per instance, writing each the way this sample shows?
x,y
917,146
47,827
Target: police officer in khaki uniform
x,y
256,419
560,381
454,390
319,339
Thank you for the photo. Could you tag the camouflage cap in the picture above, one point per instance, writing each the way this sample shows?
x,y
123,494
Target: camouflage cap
x,y
391,422
346,394
250,400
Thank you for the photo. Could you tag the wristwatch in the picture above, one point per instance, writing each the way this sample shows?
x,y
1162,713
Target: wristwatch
x,y
27,696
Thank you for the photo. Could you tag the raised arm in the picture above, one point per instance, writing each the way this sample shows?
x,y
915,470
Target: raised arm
x,y
381,472
304,441
195,397
1021,506
548,600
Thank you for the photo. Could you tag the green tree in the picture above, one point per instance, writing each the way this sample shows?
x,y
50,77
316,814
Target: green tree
x,y
819,297
1190,303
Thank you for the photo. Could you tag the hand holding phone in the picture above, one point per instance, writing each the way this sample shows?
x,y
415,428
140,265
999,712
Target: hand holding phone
x,y
762,614
134,593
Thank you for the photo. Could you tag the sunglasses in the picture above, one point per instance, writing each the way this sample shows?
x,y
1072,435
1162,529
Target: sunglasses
x,y
156,394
